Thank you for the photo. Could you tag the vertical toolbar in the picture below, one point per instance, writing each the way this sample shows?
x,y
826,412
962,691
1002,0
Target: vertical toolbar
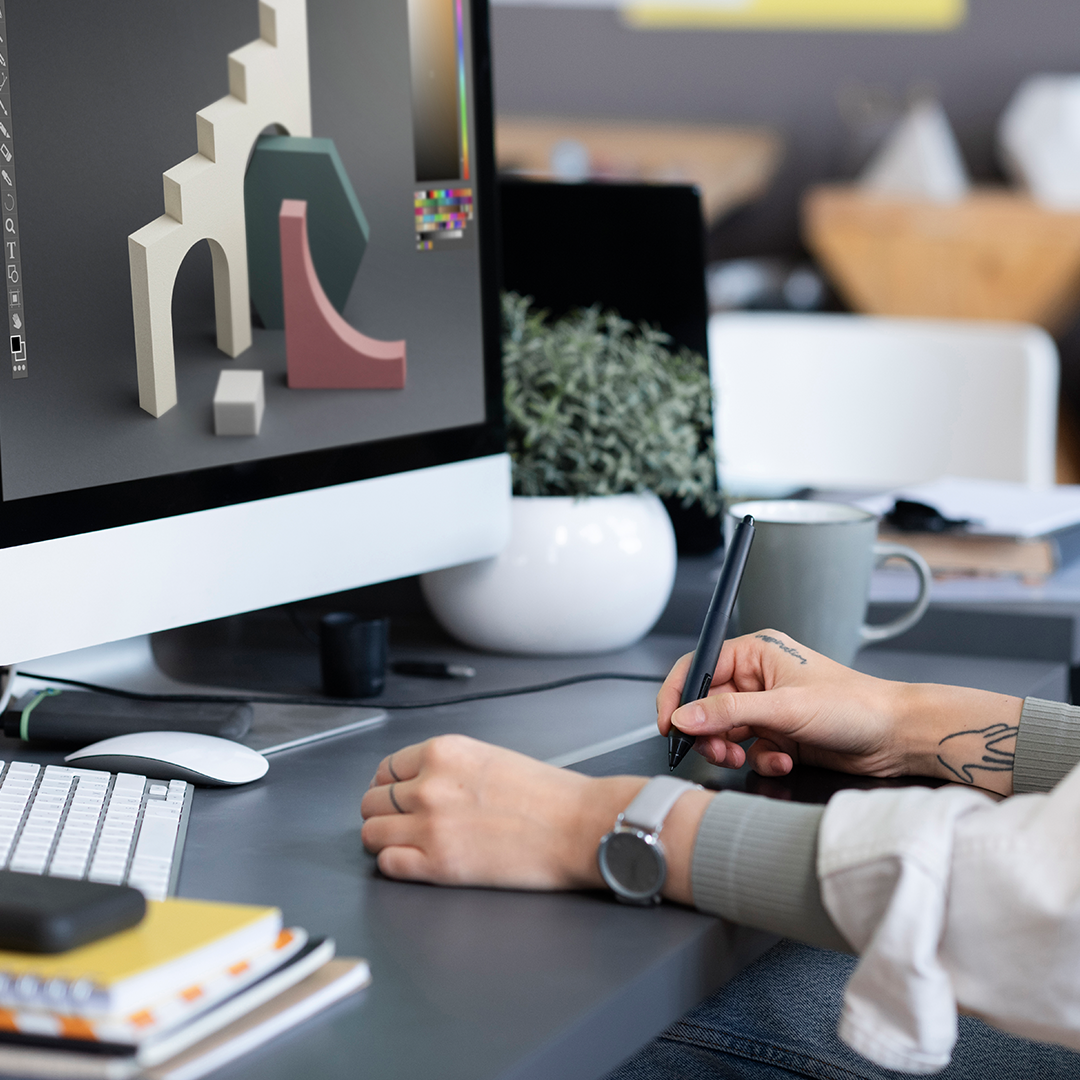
x,y
9,215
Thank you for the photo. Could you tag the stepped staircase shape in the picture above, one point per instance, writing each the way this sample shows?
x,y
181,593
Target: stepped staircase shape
x,y
322,350
204,197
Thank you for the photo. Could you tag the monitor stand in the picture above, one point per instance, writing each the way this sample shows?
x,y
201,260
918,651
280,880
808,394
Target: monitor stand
x,y
203,659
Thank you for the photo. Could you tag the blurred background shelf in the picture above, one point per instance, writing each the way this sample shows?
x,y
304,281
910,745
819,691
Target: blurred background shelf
x,y
731,165
995,254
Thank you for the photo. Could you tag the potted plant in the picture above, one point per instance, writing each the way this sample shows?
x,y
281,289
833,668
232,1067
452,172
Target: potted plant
x,y
602,418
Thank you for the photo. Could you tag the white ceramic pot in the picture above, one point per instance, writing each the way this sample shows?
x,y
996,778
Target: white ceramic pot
x,y
578,576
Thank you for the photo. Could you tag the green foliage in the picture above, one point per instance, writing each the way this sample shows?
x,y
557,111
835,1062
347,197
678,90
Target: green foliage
x,y
595,406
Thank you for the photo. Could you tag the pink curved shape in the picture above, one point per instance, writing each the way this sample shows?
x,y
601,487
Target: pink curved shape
x,y
323,352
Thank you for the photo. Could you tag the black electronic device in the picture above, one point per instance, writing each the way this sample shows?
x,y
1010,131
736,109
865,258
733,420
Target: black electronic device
x,y
638,249
44,914
74,718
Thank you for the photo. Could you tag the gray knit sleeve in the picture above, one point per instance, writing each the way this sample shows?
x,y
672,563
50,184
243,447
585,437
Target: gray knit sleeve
x,y
755,863
1047,746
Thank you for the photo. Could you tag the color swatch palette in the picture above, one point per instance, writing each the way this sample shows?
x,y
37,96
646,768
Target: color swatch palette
x,y
441,214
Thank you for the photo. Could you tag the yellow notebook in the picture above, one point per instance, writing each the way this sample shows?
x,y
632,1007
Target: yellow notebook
x,y
177,943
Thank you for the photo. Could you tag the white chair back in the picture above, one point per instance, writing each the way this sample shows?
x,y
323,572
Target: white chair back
x,y
861,402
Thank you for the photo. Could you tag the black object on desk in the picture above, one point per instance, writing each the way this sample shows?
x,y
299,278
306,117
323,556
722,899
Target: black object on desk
x,y
44,914
638,249
432,669
75,718
352,655
713,631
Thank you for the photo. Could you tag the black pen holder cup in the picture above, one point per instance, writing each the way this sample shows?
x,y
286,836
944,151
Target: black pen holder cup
x,y
352,653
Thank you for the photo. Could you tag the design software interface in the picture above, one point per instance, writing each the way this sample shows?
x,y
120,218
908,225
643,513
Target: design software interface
x,y
128,294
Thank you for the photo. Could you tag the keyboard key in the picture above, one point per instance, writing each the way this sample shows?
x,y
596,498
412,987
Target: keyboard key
x,y
107,877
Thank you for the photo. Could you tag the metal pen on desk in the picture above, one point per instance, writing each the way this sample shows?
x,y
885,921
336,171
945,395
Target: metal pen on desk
x,y
713,631
432,669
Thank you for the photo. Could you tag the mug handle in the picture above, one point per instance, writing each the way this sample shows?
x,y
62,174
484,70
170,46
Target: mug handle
x,y
884,631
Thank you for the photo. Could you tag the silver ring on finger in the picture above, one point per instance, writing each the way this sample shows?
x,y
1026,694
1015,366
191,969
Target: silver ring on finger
x,y
390,766
397,806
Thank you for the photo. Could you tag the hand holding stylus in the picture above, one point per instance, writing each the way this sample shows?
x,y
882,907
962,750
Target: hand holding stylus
x,y
775,704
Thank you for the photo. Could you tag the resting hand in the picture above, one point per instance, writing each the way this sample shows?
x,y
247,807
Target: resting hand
x,y
467,813
800,706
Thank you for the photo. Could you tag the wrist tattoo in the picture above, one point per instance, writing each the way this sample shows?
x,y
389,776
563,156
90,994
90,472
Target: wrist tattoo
x,y
782,647
989,749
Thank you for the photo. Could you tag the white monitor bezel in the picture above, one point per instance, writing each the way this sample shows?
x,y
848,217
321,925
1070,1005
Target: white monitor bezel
x,y
85,589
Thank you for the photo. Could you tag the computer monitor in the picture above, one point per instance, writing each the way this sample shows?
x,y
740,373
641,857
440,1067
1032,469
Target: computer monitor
x,y
136,493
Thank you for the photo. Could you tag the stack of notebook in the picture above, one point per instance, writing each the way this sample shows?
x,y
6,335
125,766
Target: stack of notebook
x,y
190,988
987,527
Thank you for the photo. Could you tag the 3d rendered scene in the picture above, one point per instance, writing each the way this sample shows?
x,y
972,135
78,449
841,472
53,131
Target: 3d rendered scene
x,y
293,268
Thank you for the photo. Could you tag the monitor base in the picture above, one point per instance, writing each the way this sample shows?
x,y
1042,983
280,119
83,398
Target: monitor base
x,y
132,664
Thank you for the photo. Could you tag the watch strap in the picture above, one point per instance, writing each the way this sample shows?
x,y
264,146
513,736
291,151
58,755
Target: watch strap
x,y
654,801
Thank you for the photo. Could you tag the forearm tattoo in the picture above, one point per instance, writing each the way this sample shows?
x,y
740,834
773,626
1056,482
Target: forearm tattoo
x,y
989,749
782,647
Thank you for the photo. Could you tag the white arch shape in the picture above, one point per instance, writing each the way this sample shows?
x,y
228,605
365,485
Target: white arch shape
x,y
204,197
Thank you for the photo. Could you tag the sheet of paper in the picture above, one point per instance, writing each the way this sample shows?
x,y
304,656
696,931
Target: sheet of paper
x,y
994,507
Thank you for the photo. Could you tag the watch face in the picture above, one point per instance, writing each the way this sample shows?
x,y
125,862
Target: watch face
x,y
632,864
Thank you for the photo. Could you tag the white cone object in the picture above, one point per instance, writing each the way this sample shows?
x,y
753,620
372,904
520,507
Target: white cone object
x,y
920,159
1039,139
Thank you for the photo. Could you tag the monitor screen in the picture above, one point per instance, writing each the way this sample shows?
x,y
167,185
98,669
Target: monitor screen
x,y
248,255
96,103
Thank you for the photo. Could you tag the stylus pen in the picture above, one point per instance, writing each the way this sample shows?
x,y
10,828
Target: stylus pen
x,y
713,631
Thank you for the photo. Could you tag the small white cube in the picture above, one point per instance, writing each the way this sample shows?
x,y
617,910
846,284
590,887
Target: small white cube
x,y
239,403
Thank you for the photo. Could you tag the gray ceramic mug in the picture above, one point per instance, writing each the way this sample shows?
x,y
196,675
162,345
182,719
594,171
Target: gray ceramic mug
x,y
808,574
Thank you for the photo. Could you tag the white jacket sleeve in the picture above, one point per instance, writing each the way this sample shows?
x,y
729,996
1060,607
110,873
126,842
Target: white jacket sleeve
x,y
951,899
954,900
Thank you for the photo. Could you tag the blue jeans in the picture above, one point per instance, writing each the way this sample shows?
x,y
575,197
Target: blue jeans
x,y
777,1020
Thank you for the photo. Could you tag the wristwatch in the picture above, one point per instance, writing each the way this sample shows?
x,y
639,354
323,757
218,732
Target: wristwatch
x,y
631,857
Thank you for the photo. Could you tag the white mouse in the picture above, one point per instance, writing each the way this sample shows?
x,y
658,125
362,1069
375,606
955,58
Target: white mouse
x,y
175,755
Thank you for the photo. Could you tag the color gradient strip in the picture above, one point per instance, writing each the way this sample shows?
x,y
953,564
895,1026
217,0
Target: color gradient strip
x,y
462,99
902,15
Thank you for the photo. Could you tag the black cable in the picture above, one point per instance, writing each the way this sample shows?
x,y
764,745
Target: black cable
x,y
299,699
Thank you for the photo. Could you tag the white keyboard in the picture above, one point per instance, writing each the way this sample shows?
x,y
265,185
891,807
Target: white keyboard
x,y
83,823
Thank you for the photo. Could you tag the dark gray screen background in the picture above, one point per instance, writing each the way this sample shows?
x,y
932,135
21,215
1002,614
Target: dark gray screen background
x,y
104,98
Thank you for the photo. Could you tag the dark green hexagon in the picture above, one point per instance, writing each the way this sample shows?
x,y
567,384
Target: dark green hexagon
x,y
284,167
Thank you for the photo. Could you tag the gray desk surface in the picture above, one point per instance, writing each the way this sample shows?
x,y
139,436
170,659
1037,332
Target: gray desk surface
x,y
473,983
